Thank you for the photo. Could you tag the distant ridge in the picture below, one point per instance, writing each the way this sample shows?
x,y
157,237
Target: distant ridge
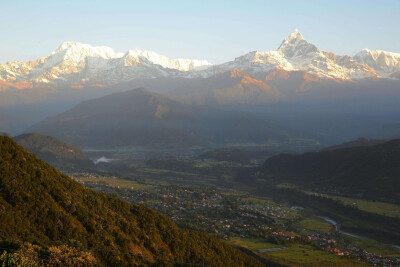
x,y
143,119
5,134
357,143
55,152
372,171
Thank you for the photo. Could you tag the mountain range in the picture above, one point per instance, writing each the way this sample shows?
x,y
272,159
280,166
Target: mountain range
x,y
298,86
74,64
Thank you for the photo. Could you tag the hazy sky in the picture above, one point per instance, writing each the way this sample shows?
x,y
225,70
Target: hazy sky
x,y
214,30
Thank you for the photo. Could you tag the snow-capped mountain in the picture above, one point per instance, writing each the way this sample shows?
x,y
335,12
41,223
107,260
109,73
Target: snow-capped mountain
x,y
387,64
69,58
76,64
296,54
165,62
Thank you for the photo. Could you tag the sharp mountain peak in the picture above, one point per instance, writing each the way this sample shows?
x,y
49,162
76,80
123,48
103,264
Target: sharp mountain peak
x,y
295,35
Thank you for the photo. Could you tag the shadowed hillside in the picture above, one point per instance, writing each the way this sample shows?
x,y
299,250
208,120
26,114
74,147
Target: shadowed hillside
x,y
359,142
140,118
371,171
54,151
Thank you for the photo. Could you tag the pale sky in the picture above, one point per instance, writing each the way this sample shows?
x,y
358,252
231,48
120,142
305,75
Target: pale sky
x,y
217,31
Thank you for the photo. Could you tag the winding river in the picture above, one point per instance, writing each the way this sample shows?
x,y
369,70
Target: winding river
x,y
337,226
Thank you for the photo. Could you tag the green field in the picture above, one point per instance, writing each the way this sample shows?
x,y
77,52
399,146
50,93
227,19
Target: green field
x,y
177,177
296,254
115,182
304,255
252,243
377,207
315,224
255,200
374,246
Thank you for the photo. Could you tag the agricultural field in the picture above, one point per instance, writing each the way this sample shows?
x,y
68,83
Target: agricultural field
x,y
315,224
374,246
253,244
305,255
378,207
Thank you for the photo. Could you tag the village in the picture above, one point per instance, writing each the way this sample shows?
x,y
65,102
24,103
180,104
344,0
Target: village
x,y
231,214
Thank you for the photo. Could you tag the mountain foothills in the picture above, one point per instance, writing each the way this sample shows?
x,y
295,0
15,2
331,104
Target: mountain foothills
x,y
140,118
369,171
54,151
39,205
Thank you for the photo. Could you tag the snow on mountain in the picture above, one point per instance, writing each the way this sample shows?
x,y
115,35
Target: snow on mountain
x,y
77,51
385,63
74,64
69,58
294,54
165,62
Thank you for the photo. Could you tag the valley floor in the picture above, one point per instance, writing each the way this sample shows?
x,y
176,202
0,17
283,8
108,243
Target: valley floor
x,y
275,231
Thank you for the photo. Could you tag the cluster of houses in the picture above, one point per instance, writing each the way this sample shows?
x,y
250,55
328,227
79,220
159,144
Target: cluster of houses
x,y
230,214
326,242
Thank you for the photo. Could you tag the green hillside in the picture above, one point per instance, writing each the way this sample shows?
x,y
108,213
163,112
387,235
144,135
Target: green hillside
x,y
54,151
41,204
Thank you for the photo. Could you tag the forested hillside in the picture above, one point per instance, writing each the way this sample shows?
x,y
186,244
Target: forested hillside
x,y
38,205
369,171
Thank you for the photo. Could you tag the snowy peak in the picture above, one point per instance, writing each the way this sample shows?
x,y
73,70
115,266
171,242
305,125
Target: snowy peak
x,y
77,52
74,63
385,63
294,45
72,45
295,35
297,54
76,49
165,62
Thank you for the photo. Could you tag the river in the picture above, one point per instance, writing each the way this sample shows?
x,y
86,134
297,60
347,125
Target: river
x,y
337,226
